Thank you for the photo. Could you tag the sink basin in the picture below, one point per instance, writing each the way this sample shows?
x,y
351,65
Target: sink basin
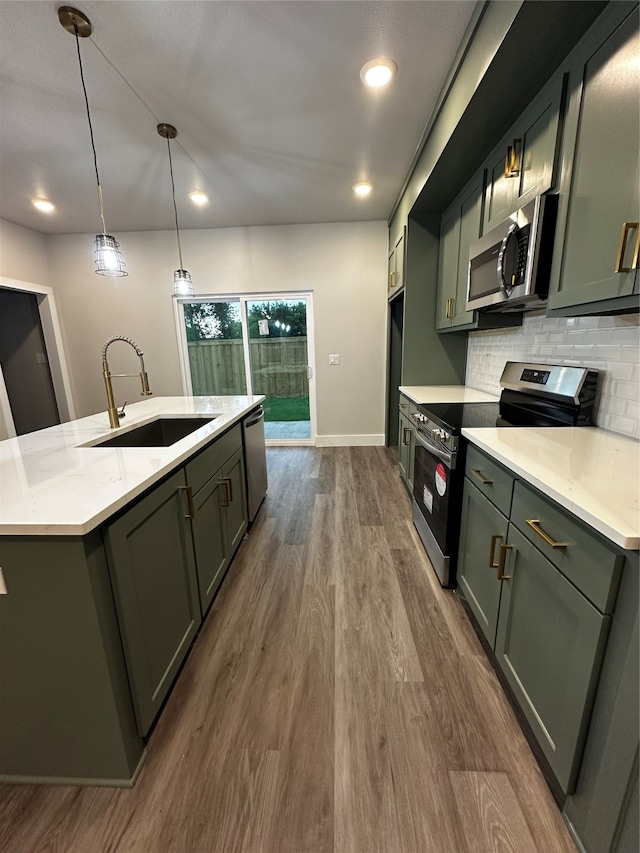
x,y
159,433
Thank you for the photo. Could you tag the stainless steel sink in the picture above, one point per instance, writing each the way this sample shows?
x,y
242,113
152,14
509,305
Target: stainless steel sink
x,y
159,433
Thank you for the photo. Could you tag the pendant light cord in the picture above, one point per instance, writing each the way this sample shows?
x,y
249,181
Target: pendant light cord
x,y
175,209
93,146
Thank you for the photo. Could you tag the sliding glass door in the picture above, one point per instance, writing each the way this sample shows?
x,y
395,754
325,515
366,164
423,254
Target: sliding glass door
x,y
254,345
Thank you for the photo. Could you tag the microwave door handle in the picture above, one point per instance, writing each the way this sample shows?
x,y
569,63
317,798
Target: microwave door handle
x,y
506,288
431,448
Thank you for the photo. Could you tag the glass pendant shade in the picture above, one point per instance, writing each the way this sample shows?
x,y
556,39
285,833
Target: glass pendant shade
x,y
182,284
109,260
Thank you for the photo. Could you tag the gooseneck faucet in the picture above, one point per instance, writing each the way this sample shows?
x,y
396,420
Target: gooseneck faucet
x,y
115,416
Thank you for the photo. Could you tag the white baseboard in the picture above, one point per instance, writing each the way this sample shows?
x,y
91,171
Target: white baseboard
x,y
350,440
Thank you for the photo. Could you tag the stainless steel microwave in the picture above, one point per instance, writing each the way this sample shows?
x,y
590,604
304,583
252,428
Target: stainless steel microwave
x,y
509,267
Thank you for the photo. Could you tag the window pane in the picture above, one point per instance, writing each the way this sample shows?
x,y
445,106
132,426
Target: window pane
x,y
214,342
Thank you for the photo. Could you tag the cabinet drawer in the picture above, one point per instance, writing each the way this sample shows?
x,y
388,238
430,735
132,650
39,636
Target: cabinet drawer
x,y
591,565
490,478
207,462
407,406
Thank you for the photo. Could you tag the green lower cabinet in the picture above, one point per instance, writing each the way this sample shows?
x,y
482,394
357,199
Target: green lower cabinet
x,y
209,539
153,573
236,517
478,580
549,645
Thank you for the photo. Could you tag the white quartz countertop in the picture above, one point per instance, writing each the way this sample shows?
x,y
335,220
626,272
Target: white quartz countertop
x,y
446,394
51,485
593,473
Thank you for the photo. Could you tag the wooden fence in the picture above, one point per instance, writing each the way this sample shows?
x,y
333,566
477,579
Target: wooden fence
x,y
279,367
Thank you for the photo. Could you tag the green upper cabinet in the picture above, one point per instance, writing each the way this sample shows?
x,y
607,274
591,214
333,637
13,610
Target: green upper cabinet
x,y
596,253
461,226
523,165
395,280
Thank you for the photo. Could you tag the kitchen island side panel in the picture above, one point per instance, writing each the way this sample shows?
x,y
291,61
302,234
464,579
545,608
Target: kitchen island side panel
x,y
65,707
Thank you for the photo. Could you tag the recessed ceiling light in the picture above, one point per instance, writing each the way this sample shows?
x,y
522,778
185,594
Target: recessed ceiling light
x,y
362,189
378,72
43,205
198,197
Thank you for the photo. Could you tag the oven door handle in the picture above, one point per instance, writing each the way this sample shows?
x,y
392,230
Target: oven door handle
x,y
442,455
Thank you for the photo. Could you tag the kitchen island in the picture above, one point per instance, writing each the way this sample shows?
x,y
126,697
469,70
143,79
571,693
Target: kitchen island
x,y
110,557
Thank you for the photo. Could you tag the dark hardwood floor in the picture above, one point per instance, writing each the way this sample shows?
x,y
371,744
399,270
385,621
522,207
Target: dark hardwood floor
x,y
336,699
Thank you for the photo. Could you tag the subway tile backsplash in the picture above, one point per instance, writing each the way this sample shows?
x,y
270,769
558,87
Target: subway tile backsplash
x,y
608,344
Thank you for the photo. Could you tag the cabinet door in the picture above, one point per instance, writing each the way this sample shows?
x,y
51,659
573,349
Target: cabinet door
x,y
448,266
209,539
396,264
236,503
470,227
549,645
602,204
477,579
403,447
530,147
153,574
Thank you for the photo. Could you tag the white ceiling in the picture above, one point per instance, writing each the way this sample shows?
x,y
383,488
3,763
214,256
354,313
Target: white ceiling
x,y
274,123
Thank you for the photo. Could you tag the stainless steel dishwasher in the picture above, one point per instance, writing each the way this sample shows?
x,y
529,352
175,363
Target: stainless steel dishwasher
x,y
255,460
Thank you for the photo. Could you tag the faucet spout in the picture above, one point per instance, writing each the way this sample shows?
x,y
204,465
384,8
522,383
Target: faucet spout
x,y
114,415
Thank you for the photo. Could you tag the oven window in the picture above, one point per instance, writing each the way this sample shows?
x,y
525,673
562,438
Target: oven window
x,y
432,492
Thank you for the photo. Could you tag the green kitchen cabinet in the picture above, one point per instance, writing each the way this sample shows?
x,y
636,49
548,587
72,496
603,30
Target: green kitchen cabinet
x,y
461,226
541,586
483,528
602,813
153,573
406,451
523,164
236,518
549,646
395,281
210,538
595,265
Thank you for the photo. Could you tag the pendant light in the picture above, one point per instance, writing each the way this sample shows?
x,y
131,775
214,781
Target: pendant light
x,y
182,284
108,257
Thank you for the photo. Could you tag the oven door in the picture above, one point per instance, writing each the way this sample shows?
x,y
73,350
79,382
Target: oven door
x,y
434,502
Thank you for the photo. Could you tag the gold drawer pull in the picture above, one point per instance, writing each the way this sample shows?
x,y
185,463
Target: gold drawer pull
x,y
391,280
406,430
481,477
503,557
492,550
513,160
449,312
533,524
622,248
225,498
192,509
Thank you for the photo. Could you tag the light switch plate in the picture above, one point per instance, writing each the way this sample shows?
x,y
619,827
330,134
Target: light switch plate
x,y
334,359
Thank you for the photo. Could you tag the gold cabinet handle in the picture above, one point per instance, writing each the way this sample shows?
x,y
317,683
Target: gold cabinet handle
x,y
534,525
492,550
392,275
403,406
500,566
481,477
449,309
190,504
405,430
225,497
513,160
622,247
229,481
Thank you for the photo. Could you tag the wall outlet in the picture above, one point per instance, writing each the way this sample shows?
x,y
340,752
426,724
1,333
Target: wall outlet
x,y
334,359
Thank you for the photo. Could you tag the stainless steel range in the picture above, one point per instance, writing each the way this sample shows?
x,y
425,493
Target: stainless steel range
x,y
540,395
